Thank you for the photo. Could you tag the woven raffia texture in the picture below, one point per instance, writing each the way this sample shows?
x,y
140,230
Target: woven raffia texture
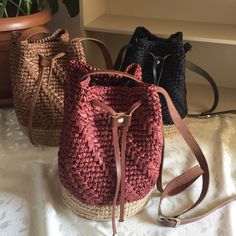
x,y
101,213
173,74
25,70
86,156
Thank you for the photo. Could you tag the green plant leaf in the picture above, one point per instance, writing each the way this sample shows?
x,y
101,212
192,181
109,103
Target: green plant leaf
x,y
72,7
53,5
28,5
18,7
3,7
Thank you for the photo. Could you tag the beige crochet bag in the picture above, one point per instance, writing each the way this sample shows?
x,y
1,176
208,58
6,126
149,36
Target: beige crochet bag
x,y
39,68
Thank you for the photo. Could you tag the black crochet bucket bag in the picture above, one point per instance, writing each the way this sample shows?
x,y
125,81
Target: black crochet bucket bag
x,y
163,63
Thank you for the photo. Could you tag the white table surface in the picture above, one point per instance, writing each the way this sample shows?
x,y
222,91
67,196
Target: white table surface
x,y
31,203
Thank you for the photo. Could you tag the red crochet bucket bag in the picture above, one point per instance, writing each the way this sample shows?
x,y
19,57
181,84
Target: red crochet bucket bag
x,y
112,144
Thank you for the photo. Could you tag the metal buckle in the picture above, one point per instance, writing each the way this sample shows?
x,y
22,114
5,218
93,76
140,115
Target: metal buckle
x,y
177,221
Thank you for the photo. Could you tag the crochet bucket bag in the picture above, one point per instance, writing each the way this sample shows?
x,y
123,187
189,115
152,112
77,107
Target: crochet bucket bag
x,y
163,63
39,68
110,155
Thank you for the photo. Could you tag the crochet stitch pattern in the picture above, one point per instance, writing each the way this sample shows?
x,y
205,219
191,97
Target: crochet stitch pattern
x,y
86,155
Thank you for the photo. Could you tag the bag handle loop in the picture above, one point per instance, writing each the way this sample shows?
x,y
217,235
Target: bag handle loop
x,y
29,33
121,56
198,70
105,52
110,72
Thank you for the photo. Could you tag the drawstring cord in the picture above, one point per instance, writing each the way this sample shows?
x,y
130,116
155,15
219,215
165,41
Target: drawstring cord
x,y
122,119
43,63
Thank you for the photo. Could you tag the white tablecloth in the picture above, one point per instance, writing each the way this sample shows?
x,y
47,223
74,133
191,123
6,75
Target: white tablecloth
x,y
31,203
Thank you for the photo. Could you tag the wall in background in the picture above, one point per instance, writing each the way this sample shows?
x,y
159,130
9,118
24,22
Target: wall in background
x,y
63,20
219,60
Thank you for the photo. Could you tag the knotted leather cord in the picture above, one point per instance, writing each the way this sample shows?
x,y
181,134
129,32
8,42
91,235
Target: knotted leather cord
x,y
122,119
43,63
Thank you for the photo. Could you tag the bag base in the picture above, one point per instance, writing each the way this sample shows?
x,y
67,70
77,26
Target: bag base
x,y
101,213
43,136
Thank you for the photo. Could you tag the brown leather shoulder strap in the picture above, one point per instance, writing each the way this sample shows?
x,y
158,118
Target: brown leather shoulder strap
x,y
105,52
183,181
180,183
29,33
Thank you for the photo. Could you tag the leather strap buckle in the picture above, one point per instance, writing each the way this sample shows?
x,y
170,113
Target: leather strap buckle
x,y
169,221
121,119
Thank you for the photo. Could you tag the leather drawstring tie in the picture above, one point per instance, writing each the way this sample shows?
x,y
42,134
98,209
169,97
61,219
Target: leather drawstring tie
x,y
43,62
122,119
158,61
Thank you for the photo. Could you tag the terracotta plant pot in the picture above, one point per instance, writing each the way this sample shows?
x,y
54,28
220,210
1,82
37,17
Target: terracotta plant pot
x,y
7,25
